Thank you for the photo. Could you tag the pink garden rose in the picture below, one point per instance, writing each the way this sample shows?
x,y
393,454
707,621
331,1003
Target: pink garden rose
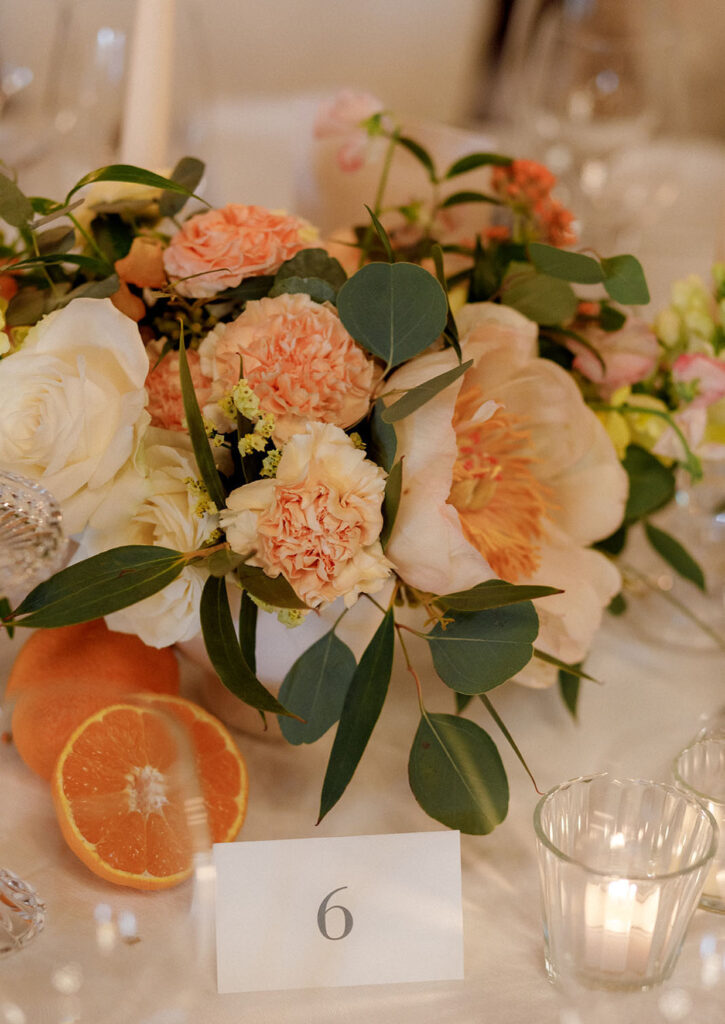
x,y
163,384
298,359
227,245
342,117
629,355
318,522
709,373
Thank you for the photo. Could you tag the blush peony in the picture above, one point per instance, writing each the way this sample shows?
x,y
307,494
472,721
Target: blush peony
x,y
73,404
318,522
218,249
508,474
629,355
299,361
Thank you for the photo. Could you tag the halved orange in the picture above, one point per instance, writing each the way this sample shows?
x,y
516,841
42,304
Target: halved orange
x,y
126,799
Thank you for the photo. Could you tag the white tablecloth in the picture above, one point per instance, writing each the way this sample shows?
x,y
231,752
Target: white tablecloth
x,y
651,703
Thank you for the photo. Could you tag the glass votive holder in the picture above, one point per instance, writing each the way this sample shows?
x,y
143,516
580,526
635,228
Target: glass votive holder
x,y
622,865
700,770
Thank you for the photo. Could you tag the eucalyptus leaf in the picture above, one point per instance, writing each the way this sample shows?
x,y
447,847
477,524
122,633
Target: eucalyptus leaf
x,y
51,210
248,612
134,175
568,266
610,318
394,310
273,591
456,774
493,594
15,207
462,701
197,433
26,307
478,651
91,264
618,604
225,653
384,442
450,331
188,172
460,198
569,686
363,703
543,299
423,393
55,240
315,689
421,154
5,612
251,289
317,289
99,585
624,280
90,290
574,670
382,235
675,555
651,485
391,501
221,562
474,160
313,263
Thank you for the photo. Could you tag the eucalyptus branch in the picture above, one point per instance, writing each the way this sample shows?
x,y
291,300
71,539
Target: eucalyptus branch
x,y
188,556
409,664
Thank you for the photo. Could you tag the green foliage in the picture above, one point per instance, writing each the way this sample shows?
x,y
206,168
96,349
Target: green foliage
x,y
651,485
474,160
573,670
5,612
615,543
277,592
134,175
610,318
569,686
479,650
675,555
197,433
363,703
313,263
492,594
383,440
248,630
382,236
618,605
456,774
394,310
225,653
423,393
450,331
568,266
391,501
543,299
221,562
460,198
188,172
90,290
421,154
15,207
315,689
317,289
624,280
99,585
55,240
26,307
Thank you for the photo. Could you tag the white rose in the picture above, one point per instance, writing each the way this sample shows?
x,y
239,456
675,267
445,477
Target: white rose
x,y
151,503
73,403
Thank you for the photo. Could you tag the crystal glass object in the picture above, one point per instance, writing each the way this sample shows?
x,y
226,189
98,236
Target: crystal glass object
x,y
31,539
700,770
22,914
622,866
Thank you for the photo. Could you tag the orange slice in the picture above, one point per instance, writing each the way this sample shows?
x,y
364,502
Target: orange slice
x,y
122,793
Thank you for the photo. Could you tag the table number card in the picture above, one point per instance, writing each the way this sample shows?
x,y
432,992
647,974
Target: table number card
x,y
361,910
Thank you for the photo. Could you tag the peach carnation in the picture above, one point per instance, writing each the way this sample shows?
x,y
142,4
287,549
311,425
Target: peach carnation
x,y
318,522
163,384
216,250
297,358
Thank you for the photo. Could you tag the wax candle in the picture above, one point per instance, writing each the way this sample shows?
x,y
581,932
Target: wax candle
x,y
620,920
147,108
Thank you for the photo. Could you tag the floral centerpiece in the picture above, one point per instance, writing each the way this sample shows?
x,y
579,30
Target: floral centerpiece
x,y
226,409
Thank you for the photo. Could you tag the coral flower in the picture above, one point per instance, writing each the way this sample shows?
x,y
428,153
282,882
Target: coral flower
x,y
508,474
216,250
298,359
318,522
166,405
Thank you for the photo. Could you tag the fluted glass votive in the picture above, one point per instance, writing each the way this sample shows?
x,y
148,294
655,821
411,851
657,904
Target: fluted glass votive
x,y
700,770
622,865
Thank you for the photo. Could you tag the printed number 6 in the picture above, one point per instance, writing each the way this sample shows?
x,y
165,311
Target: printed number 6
x,y
323,910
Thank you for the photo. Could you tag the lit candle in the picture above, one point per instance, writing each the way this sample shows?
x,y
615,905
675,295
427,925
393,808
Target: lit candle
x,y
147,107
620,918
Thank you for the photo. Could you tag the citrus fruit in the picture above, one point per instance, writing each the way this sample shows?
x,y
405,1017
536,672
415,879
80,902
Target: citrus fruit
x,y
44,718
90,650
219,765
124,795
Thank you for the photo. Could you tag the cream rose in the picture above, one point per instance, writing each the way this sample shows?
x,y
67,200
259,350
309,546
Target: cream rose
x,y
73,404
299,361
152,503
508,473
318,522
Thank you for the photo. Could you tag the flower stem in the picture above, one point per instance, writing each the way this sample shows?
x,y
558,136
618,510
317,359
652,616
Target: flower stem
x,y
382,185
398,629
676,603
